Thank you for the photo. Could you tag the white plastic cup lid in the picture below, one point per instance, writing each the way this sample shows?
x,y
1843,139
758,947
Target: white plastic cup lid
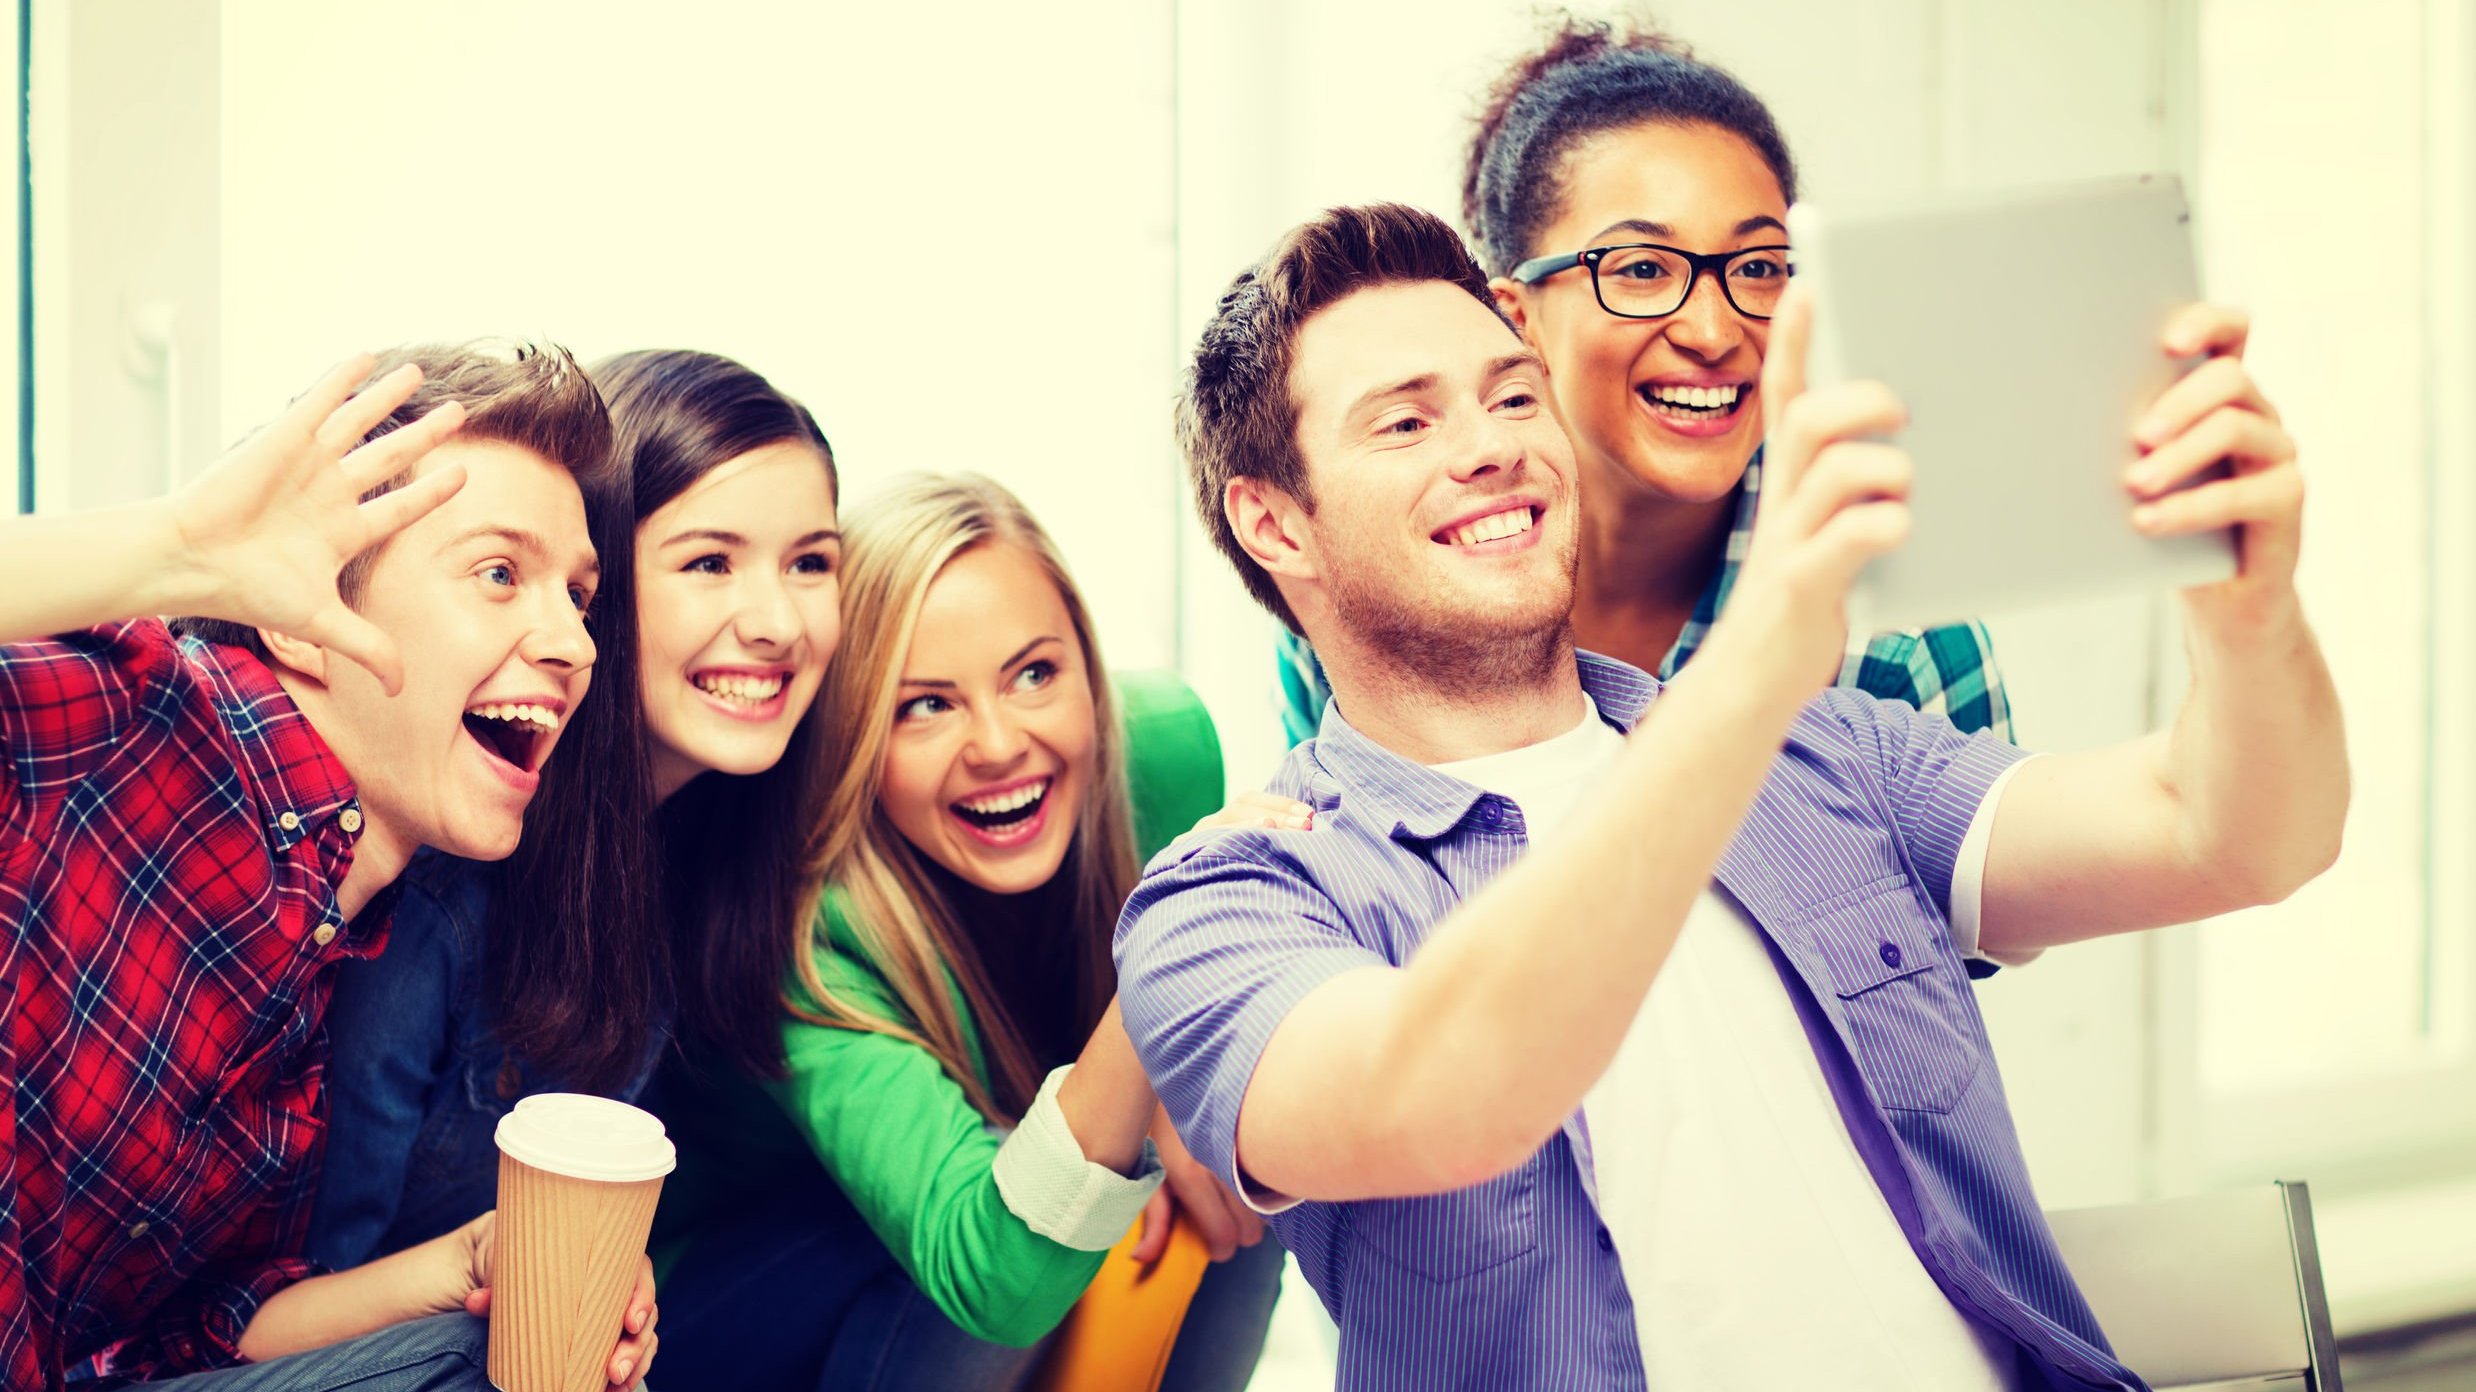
x,y
584,1137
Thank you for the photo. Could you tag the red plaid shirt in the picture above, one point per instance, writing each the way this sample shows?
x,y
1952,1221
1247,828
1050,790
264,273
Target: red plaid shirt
x,y
172,833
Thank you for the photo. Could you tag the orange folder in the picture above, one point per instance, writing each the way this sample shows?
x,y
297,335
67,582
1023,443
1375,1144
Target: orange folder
x,y
1117,1338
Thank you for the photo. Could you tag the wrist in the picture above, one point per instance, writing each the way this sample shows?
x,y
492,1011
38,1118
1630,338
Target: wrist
x,y
179,580
1761,669
2234,623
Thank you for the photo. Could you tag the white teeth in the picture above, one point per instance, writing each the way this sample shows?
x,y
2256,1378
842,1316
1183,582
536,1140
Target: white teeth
x,y
1493,527
753,690
541,718
1021,797
1702,398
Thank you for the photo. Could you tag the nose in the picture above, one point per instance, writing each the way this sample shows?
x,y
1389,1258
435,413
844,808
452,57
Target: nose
x,y
1493,445
560,641
1706,327
766,617
995,739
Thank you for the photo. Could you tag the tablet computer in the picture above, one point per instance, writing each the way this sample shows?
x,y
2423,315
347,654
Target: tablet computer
x,y
2021,330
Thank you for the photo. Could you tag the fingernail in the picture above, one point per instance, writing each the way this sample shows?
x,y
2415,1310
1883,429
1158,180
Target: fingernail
x,y
626,1366
1295,822
636,1321
2144,517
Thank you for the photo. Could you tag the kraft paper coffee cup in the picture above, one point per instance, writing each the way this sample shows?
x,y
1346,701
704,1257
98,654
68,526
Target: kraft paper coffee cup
x,y
578,1179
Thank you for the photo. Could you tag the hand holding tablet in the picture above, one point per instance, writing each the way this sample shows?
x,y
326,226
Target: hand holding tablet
x,y
2077,423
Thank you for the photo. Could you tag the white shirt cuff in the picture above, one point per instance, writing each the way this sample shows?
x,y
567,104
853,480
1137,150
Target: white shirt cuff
x,y
1046,1182
1969,877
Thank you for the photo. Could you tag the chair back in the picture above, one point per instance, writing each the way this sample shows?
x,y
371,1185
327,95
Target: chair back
x,y
2216,1291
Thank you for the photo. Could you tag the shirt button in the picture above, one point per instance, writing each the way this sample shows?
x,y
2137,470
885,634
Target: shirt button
x,y
350,821
325,934
290,821
1891,954
139,1228
1607,1241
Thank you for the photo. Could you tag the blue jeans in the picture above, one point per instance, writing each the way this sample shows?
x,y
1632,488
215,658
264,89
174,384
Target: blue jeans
x,y
444,1353
804,1298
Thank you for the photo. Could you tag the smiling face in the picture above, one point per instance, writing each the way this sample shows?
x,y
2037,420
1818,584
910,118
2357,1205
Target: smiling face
x,y
995,735
1667,404
484,598
1443,531
738,601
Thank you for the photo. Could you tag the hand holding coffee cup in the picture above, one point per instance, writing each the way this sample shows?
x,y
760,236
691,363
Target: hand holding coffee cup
x,y
578,1180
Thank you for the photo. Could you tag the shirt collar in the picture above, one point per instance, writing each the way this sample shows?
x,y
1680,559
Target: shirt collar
x,y
294,778
1422,804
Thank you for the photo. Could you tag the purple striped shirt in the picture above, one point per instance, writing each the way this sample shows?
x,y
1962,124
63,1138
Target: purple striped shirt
x,y
1845,863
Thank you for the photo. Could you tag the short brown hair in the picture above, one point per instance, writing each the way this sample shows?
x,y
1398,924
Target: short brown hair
x,y
531,395
1237,417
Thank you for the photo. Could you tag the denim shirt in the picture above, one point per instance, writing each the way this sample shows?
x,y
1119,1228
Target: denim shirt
x,y
417,1079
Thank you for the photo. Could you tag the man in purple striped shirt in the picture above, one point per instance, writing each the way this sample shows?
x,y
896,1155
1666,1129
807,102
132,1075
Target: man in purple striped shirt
x,y
1733,914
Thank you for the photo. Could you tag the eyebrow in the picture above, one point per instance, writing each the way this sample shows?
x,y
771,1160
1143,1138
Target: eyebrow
x,y
1641,228
517,537
722,538
1427,381
521,540
941,684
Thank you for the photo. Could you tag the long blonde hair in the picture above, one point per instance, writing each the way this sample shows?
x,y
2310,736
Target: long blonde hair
x,y
894,547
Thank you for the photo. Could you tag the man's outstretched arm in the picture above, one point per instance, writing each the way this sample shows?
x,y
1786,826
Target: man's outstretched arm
x,y
2245,797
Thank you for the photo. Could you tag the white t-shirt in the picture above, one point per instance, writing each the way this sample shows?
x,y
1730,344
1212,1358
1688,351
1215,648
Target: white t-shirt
x,y
1759,1252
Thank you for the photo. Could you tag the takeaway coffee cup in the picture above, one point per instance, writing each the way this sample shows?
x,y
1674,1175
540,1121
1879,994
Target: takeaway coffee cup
x,y
578,1178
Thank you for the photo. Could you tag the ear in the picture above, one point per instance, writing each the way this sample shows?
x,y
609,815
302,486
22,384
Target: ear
x,y
1271,528
1514,304
304,658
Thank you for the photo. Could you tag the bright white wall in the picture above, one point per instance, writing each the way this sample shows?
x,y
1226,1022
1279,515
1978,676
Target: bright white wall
x,y
950,236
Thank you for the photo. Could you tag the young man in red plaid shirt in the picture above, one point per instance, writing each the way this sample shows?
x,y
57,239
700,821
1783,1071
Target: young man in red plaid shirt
x,y
199,821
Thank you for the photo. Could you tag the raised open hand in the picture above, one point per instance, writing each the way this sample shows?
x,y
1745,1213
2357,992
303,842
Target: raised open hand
x,y
264,533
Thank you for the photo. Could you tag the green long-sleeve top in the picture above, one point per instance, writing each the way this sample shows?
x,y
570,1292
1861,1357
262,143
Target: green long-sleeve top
x,y
888,1126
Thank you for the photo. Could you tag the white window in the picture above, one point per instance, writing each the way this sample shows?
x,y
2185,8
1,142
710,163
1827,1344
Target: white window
x,y
2334,1029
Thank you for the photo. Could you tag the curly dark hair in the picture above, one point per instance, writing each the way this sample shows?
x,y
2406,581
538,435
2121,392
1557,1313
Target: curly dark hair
x,y
1591,76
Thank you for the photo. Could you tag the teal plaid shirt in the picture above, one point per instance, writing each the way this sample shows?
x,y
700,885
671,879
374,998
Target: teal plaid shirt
x,y
1948,671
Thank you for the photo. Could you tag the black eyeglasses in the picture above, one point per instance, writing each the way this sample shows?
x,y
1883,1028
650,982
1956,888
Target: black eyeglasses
x,y
1643,280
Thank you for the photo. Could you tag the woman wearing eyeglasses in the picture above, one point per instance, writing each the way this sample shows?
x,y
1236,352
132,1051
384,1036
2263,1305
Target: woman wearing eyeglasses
x,y
1631,203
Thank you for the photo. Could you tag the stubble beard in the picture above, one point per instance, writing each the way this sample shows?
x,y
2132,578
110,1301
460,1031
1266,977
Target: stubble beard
x,y
1427,650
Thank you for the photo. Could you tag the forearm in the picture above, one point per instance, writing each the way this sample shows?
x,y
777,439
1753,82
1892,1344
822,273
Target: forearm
x,y
376,1295
2241,801
1107,1101
1460,1065
72,571
2256,764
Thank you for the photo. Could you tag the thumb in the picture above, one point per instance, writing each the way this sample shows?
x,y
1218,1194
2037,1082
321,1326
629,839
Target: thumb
x,y
477,1302
1157,1217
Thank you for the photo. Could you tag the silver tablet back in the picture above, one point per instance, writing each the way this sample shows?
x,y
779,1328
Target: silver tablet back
x,y
2021,329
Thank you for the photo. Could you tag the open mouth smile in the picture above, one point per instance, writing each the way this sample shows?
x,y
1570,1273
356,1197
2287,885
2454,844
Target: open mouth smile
x,y
743,693
515,737
1504,529
1695,410
1008,815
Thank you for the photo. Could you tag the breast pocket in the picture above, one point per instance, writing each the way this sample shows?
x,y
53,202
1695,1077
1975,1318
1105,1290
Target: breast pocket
x,y
1447,1237
1904,996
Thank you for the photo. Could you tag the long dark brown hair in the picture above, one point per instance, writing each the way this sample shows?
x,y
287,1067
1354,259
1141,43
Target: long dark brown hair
x,y
698,893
